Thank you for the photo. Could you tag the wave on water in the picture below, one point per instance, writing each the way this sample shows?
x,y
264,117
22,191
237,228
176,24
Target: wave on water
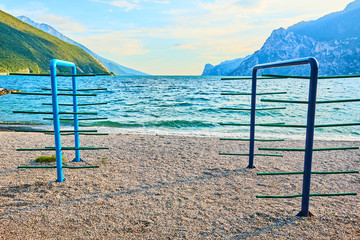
x,y
21,123
174,124
186,105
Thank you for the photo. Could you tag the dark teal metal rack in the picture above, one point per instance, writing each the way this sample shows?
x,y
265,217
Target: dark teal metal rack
x,y
310,128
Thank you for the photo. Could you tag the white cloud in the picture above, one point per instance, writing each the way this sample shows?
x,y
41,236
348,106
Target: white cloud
x,y
234,27
115,43
2,7
37,8
63,24
126,5
129,5
162,2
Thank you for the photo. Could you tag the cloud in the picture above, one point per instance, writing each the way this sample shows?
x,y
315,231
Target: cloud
x,y
115,43
126,5
161,2
234,27
129,5
178,11
2,7
61,23
64,24
36,8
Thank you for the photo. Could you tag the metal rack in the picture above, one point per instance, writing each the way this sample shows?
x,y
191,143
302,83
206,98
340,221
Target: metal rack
x,y
57,132
310,127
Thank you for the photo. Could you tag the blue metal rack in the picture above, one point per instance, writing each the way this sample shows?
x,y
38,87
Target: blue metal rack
x,y
56,116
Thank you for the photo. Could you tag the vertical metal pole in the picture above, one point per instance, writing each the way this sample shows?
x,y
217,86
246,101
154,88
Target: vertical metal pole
x,y
309,139
252,119
76,119
55,106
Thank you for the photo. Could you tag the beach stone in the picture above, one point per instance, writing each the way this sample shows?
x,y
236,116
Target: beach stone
x,y
4,91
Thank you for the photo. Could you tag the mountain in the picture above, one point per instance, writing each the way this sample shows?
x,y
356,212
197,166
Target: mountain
x,y
24,48
333,40
334,26
336,57
110,65
223,68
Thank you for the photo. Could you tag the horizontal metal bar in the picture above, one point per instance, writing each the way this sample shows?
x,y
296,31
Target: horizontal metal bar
x,y
77,94
283,125
40,94
80,148
95,134
249,109
80,133
284,101
71,119
302,149
311,195
71,167
79,75
91,104
63,148
285,76
306,77
304,126
338,101
59,75
34,149
79,105
89,119
247,94
297,173
337,125
306,102
246,154
51,131
258,140
30,74
59,94
79,90
74,113
248,124
249,78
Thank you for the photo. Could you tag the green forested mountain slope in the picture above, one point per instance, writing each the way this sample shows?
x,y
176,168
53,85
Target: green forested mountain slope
x,y
24,48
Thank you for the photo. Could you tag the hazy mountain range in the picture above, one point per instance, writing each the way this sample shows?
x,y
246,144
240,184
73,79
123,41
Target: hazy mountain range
x,y
333,40
110,65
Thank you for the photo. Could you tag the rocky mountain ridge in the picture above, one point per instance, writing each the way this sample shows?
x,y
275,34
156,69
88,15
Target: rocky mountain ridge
x,y
333,40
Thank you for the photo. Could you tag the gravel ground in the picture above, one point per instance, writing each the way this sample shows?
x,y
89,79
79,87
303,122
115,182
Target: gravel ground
x,y
173,187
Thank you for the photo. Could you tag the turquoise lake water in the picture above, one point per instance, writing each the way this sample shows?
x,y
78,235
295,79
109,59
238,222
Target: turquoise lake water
x,y
188,105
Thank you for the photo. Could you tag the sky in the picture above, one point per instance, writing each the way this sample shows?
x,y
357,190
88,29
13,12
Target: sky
x,y
171,37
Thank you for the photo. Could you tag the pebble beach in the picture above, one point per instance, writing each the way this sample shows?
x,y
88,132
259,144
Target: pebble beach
x,y
173,187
